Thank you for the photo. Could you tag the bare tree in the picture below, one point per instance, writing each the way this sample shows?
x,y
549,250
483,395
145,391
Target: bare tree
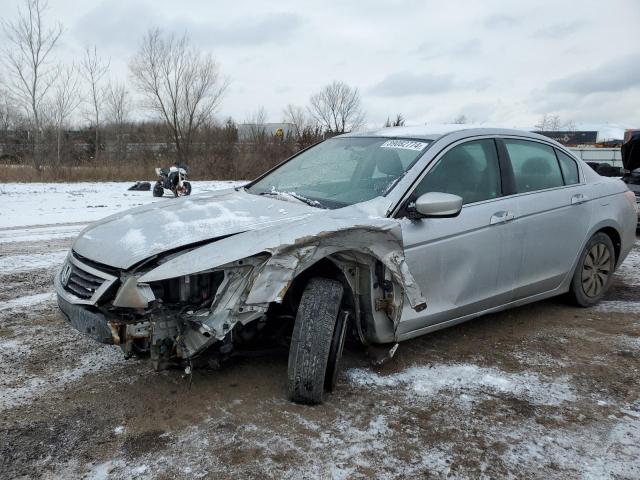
x,y
64,102
118,104
298,117
118,109
179,83
94,69
9,116
548,123
256,125
459,120
337,107
397,122
26,56
553,123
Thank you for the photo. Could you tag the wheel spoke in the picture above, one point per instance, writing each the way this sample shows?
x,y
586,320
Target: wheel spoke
x,y
605,258
588,261
598,283
586,286
603,278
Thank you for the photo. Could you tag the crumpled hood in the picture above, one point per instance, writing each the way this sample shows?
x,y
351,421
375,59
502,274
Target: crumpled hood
x,y
126,238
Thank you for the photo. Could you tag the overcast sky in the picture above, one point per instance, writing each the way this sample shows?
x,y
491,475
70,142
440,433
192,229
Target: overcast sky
x,y
500,62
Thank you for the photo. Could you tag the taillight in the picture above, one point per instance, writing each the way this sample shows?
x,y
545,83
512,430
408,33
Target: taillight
x,y
631,197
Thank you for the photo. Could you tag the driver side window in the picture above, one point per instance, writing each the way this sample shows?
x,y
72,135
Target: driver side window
x,y
470,170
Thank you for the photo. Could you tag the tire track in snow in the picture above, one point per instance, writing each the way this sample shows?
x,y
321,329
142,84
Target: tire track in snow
x,y
33,261
28,301
40,233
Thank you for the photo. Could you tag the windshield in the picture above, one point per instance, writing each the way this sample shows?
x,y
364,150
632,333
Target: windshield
x,y
342,171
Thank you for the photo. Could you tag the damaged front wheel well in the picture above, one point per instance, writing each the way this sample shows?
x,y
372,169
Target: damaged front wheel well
x,y
323,268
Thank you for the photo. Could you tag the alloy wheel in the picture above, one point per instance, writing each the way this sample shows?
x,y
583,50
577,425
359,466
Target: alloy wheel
x,y
596,269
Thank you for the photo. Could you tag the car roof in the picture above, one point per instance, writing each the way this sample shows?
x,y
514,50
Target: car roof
x,y
433,132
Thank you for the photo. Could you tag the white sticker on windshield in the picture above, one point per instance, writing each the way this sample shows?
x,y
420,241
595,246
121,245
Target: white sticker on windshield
x,y
406,144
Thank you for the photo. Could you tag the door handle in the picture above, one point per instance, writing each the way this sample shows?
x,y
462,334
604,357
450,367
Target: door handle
x,y
579,198
501,217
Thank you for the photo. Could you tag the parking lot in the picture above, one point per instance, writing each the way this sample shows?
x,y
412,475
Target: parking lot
x,y
542,391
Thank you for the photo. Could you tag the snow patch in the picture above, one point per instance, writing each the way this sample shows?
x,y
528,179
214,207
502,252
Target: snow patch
x,y
104,357
39,233
134,239
630,268
25,204
618,306
30,301
470,380
34,261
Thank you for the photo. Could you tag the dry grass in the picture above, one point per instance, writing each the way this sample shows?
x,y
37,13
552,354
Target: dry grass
x,y
27,173
239,161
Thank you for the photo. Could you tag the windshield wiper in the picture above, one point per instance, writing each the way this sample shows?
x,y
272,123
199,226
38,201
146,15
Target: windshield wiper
x,y
296,196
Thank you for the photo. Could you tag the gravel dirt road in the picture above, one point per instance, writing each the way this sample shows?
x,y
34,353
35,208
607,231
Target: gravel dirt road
x,y
542,391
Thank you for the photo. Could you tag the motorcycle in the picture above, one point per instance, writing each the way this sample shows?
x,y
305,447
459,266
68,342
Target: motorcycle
x,y
173,179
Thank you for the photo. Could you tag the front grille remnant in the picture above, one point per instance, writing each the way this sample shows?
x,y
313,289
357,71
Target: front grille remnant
x,y
82,284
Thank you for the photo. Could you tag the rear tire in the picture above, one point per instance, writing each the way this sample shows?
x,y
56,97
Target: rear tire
x,y
158,191
312,340
594,271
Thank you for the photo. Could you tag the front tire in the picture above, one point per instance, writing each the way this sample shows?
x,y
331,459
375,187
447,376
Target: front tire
x,y
594,272
312,340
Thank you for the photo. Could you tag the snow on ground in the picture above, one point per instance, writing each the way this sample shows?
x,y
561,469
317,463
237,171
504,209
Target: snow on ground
x,y
32,301
630,268
32,261
425,420
618,306
101,358
39,233
467,382
25,204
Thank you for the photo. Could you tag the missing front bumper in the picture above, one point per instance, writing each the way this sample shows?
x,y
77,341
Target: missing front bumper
x,y
92,324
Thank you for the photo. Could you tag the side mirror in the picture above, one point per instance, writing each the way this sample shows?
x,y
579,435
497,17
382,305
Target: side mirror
x,y
437,204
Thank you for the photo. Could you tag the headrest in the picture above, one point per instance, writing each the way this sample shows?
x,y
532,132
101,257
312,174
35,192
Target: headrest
x,y
388,162
536,166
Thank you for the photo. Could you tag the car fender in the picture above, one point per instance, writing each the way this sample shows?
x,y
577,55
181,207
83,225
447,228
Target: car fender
x,y
291,250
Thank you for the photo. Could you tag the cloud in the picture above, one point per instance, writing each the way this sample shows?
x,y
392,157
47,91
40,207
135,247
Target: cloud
x,y
501,20
247,31
559,30
613,76
406,83
469,48
124,24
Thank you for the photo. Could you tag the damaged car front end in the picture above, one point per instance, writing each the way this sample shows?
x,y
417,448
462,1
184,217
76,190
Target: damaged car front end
x,y
238,271
186,307
171,320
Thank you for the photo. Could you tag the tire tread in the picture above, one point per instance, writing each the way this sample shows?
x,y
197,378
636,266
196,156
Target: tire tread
x,y
311,340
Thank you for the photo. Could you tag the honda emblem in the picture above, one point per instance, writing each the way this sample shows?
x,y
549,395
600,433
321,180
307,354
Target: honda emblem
x,y
65,274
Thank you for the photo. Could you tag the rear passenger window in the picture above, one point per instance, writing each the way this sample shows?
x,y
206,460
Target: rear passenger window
x,y
569,168
469,170
535,166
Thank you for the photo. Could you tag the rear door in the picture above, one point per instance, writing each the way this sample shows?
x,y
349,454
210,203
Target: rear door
x,y
465,264
554,214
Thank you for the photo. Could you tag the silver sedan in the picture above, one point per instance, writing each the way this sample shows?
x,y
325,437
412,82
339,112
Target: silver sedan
x,y
384,235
